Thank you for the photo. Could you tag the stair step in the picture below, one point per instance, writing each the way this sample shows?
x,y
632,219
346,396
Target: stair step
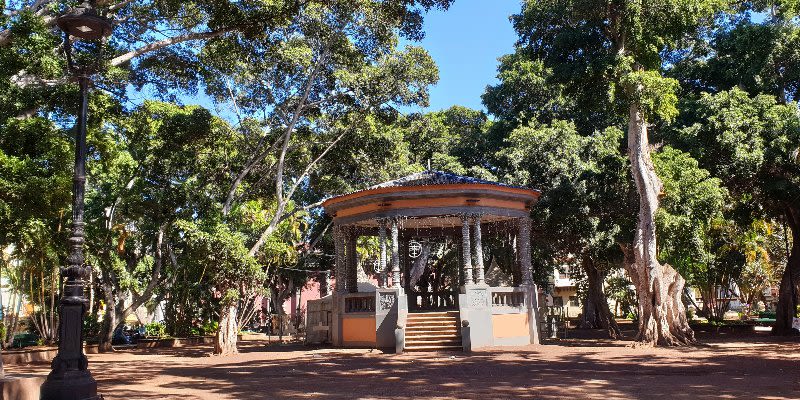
x,y
433,331
412,328
442,331
434,323
434,348
443,320
426,342
452,335
434,314
437,314
435,335
438,320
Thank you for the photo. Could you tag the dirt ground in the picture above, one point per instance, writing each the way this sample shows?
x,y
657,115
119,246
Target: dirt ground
x,y
742,366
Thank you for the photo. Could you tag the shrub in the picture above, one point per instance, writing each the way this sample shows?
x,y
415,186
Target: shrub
x,y
210,327
155,329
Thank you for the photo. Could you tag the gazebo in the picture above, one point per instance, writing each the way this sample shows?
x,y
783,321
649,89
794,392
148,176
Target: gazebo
x,y
427,286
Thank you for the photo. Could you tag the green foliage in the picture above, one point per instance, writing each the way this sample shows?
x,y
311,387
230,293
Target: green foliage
x,y
456,140
232,273
210,327
155,330
654,93
91,327
607,54
525,91
751,143
584,179
692,206
758,58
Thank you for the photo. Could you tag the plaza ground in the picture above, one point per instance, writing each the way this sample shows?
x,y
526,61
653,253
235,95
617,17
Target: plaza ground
x,y
751,365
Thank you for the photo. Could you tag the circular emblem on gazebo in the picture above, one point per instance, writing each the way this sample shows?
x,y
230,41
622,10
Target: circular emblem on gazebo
x,y
414,249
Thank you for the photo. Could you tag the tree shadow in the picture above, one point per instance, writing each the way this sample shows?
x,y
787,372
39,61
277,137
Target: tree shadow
x,y
554,371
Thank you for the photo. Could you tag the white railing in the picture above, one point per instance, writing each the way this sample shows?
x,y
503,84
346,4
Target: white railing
x,y
359,303
508,299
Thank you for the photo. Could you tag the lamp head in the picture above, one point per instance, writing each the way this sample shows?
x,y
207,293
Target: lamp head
x,y
83,22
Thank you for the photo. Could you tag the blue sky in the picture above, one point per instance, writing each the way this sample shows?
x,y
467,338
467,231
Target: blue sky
x,y
465,41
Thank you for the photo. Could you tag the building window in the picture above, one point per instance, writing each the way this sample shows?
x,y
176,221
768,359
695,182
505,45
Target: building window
x,y
573,301
558,302
562,274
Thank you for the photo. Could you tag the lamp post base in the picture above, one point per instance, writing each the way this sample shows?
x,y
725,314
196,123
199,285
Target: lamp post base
x,y
69,378
71,385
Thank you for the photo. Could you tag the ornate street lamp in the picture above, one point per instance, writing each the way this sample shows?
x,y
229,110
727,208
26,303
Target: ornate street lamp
x,y
69,378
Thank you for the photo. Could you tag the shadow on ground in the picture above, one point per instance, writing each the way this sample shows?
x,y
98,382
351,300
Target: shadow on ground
x,y
747,367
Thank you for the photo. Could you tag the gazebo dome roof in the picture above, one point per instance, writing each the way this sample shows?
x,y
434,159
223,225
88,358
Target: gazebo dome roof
x,y
432,194
426,178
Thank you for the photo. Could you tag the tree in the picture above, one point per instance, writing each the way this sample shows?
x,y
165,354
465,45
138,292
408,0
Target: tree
x,y
765,256
752,145
161,163
456,140
619,46
331,72
234,274
578,221
529,97
697,236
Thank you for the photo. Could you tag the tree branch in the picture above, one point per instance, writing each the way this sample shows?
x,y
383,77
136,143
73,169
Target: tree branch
x,y
168,42
282,160
154,276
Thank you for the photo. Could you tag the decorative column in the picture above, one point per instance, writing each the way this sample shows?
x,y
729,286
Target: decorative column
x,y
384,275
395,254
465,246
524,248
341,269
352,261
479,278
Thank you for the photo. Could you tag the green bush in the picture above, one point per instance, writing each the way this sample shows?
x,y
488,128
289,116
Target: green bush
x,y
155,329
210,328
91,327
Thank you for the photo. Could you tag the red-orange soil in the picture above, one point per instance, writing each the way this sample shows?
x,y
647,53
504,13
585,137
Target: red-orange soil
x,y
741,366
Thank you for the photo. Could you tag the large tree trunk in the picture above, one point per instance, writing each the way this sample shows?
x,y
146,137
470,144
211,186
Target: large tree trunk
x,y
111,319
662,316
596,314
228,329
789,292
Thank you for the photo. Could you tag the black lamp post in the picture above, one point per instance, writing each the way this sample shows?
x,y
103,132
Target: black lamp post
x,y
69,378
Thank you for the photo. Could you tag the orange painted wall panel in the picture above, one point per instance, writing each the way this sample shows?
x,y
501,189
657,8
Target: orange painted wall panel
x,y
360,330
510,325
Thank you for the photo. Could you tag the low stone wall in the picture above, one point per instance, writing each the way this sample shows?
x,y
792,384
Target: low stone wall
x,y
174,342
38,354
21,386
254,336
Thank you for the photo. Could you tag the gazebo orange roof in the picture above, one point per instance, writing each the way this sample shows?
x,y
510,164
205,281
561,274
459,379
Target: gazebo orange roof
x,y
432,194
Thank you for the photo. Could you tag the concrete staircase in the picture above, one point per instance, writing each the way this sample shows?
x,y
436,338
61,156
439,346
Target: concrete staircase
x,y
433,331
